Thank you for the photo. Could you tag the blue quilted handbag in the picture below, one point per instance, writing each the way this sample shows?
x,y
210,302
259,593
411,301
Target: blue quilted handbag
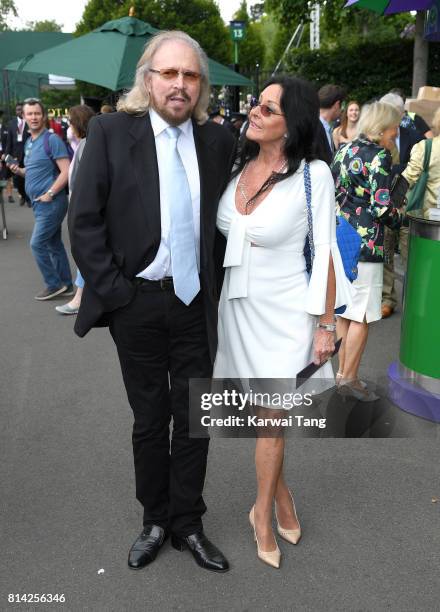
x,y
349,245
349,241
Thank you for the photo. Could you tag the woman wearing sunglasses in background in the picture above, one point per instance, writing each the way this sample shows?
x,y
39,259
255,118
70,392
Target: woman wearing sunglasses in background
x,y
273,319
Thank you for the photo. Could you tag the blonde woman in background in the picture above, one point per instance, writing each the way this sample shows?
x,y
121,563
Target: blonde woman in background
x,y
415,166
362,173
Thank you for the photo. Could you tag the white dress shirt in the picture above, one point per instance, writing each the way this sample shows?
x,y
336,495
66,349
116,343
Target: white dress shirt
x,y
162,265
20,128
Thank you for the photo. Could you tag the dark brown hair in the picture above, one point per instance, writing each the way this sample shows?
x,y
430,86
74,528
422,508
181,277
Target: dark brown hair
x,y
329,94
80,116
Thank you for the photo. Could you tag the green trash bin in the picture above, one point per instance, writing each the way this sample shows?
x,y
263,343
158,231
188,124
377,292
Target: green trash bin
x,y
416,377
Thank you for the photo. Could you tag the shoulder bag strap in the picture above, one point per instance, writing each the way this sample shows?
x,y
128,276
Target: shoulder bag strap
x,y
308,190
427,158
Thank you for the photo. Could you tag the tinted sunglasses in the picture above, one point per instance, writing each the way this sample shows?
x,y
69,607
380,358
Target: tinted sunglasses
x,y
170,74
265,110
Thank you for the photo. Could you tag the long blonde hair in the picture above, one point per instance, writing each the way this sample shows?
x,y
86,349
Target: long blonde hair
x,y
137,100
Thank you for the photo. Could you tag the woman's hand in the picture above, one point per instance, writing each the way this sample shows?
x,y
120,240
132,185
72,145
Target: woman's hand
x,y
323,345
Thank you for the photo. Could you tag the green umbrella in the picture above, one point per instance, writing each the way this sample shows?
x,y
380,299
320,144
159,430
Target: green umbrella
x,y
108,56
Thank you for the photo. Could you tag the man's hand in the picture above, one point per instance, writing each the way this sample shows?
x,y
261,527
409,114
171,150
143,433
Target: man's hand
x,y
44,198
15,169
323,346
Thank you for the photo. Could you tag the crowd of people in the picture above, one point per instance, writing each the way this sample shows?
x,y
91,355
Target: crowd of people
x,y
371,148
189,238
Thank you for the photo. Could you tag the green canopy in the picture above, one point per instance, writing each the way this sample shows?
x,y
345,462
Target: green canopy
x,y
14,45
108,57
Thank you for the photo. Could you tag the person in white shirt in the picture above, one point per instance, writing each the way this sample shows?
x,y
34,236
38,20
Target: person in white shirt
x,y
142,223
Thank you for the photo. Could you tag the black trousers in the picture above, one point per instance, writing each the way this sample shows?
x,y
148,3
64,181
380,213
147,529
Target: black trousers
x,y
161,344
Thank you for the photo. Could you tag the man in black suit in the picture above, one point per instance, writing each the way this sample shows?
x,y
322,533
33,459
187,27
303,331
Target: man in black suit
x,y
330,109
3,143
156,161
17,135
406,139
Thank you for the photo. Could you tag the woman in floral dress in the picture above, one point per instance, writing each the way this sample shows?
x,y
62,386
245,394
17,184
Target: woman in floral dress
x,y
362,173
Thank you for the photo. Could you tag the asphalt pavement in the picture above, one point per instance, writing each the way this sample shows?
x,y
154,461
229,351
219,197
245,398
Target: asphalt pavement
x,y
367,505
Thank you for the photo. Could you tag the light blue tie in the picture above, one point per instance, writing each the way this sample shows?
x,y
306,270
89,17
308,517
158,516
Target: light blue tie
x,y
182,239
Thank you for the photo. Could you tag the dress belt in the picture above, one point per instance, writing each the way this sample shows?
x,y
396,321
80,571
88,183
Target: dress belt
x,y
164,283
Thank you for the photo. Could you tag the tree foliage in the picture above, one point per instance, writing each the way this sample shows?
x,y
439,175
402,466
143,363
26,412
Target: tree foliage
x,y
7,9
339,25
199,18
370,69
59,98
47,25
268,30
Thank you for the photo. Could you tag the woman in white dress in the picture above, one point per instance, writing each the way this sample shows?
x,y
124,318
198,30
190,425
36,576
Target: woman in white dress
x,y
273,319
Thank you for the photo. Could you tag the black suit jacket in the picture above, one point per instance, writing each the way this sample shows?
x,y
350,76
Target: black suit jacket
x,y
407,139
4,140
114,213
4,137
322,148
13,147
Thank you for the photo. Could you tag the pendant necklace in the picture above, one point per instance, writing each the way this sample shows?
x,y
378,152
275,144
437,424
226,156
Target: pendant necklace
x,y
243,185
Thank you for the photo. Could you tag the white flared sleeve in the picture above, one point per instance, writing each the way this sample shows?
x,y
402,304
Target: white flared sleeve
x,y
324,238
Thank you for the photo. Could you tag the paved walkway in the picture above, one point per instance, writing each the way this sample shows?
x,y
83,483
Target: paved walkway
x,y
371,531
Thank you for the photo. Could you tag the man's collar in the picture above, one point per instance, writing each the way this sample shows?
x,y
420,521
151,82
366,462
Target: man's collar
x,y
159,125
324,122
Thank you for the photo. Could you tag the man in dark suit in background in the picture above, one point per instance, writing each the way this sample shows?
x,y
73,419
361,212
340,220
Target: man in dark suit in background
x,y
142,222
330,109
406,139
18,133
3,143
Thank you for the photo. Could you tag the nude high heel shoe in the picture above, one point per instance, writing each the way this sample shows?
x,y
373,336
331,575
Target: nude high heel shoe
x,y
271,557
291,535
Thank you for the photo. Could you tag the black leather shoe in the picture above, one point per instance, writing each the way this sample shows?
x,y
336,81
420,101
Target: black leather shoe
x,y
204,552
146,547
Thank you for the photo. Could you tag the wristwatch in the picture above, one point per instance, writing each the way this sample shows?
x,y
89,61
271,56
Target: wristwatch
x,y
51,193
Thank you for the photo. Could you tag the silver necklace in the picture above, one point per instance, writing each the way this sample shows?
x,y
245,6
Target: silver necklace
x,y
243,185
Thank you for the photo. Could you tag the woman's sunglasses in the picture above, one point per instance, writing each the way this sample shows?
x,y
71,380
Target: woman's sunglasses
x,y
265,110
